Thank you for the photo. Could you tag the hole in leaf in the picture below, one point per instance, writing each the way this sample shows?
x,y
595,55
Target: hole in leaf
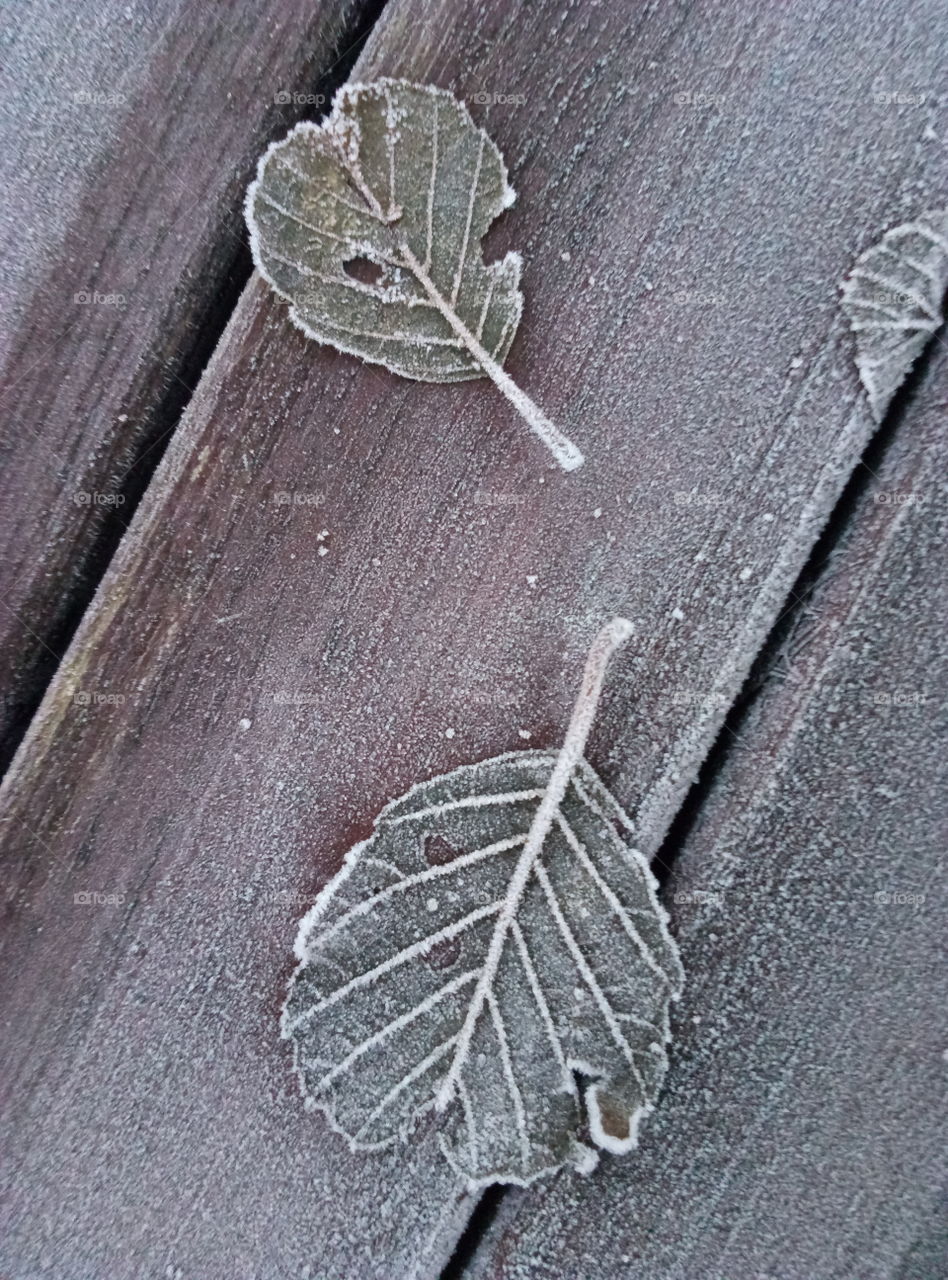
x,y
443,954
364,270
438,853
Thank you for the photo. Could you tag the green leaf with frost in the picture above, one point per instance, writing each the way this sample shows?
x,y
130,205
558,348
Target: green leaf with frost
x,y
370,225
495,952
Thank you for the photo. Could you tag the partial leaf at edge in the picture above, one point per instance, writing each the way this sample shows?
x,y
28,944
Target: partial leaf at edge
x,y
893,297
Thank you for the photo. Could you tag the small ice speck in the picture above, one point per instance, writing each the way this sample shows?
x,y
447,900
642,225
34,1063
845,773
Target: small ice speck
x,y
597,513
322,551
449,733
565,256
678,615
432,904
523,733
244,724
531,579
745,573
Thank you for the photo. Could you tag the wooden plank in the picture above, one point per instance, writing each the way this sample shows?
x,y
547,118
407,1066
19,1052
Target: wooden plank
x,y
802,1129
236,708
129,134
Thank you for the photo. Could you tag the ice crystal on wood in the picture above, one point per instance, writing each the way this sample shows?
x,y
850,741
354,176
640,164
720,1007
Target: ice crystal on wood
x,y
494,950
893,298
370,225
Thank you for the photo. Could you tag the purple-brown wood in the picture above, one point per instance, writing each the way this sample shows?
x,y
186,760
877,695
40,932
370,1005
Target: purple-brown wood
x,y
801,1134
237,706
129,134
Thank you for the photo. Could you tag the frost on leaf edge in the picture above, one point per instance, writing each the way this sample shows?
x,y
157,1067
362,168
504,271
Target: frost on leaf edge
x,y
850,285
344,93
583,1158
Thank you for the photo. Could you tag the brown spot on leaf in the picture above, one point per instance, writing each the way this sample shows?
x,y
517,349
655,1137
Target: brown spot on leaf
x,y
442,955
614,1118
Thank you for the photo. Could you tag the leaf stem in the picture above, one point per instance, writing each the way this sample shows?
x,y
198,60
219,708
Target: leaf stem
x,y
609,639
563,449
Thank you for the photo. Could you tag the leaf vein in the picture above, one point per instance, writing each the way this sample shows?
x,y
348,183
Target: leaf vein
x,y
422,877
513,1088
397,1024
468,802
406,1081
393,962
605,1008
456,288
579,849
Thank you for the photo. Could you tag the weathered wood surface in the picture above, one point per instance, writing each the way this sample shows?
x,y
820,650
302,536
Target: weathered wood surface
x,y
129,134
266,700
801,1135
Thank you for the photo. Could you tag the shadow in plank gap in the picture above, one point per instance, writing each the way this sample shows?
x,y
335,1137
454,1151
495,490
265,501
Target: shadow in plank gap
x,y
777,657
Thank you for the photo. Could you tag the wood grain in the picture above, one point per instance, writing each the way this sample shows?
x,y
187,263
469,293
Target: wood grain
x,y
801,1132
129,134
236,706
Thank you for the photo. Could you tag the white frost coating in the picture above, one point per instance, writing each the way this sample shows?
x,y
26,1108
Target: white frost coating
x,y
366,184
493,937
893,298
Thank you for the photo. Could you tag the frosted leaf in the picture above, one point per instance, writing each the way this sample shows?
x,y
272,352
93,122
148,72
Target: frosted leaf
x,y
370,225
493,940
893,298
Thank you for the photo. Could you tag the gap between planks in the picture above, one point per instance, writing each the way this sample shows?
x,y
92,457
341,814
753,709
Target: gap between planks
x,y
475,1245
